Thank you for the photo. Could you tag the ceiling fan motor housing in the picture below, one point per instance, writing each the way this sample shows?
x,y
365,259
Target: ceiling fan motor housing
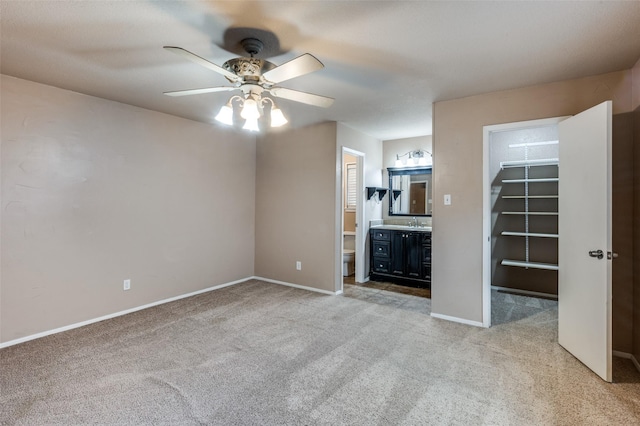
x,y
248,67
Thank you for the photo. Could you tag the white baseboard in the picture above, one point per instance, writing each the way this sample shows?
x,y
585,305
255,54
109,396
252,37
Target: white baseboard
x,y
525,292
460,320
626,355
117,314
302,287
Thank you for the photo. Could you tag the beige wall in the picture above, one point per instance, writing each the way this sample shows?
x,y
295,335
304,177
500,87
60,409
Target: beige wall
x,y
296,206
393,147
94,192
457,139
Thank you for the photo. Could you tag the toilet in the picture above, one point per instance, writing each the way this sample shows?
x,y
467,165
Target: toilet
x,y
348,260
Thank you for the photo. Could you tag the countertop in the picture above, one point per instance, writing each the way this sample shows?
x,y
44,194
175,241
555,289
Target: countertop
x,y
404,228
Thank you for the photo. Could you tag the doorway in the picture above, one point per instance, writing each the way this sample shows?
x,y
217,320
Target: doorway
x,y
520,213
352,253
584,220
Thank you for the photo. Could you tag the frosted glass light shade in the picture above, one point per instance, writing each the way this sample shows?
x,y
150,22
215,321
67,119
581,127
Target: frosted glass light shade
x,y
251,124
250,110
422,161
277,118
398,161
225,115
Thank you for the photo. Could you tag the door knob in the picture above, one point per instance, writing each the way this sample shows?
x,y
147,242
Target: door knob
x,y
596,253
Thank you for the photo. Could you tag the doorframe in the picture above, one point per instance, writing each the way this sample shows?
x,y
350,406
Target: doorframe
x,y
360,217
486,201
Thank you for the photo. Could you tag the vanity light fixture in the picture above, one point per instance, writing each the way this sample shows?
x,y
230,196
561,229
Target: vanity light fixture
x,y
415,158
252,109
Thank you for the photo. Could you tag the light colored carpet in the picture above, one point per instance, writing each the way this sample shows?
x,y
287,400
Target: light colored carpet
x,y
264,354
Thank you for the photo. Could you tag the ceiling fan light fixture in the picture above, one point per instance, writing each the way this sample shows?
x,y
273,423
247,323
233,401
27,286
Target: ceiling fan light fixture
x,y
277,117
251,124
225,116
250,110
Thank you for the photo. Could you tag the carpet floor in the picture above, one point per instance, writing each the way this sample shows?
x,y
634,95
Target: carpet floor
x,y
264,354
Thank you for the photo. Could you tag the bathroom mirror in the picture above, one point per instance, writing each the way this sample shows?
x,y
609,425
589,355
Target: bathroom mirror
x,y
411,191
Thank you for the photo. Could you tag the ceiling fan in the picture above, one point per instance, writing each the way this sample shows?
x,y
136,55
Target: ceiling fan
x,y
255,77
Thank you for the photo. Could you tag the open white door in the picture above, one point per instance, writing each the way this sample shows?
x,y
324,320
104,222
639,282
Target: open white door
x,y
584,244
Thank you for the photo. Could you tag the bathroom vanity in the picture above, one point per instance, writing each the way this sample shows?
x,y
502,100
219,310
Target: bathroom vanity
x,y
401,254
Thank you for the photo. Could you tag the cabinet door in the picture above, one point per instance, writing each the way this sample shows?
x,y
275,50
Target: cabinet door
x,y
413,253
397,253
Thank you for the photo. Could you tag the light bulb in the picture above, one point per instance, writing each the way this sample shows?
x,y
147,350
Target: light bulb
x,y
250,110
277,117
251,124
225,115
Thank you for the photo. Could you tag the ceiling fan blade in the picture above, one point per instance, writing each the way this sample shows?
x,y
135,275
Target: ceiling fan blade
x,y
301,65
201,61
200,91
305,98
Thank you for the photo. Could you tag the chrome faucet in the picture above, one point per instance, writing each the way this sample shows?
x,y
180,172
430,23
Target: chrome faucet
x,y
415,222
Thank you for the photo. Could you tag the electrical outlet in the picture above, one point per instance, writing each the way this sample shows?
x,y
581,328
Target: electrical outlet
x,y
299,265
126,285
447,199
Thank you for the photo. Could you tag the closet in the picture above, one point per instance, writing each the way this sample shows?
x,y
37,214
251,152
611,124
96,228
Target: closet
x,y
524,190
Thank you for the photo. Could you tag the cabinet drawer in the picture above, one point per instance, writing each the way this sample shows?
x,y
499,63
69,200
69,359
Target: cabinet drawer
x,y
380,264
381,235
381,248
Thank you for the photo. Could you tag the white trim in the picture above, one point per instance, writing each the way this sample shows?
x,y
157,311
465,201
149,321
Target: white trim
x,y
621,354
302,287
486,229
117,314
459,320
626,355
525,292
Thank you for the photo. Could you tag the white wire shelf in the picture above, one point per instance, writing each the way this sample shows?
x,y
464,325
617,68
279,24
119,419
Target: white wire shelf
x,y
529,234
533,213
529,163
535,265
554,179
521,197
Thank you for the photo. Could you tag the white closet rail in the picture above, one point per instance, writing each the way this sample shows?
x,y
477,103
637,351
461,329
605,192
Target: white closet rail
x,y
533,213
529,163
536,265
528,196
528,180
528,234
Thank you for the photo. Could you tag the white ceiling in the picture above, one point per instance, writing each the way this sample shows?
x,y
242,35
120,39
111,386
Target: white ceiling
x,y
386,62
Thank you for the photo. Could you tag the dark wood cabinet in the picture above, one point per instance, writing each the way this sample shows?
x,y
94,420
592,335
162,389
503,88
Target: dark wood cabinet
x,y
401,255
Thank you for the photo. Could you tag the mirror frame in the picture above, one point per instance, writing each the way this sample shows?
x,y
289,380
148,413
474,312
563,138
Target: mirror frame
x,y
399,171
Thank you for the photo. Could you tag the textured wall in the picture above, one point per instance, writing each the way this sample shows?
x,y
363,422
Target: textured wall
x,y
296,206
94,192
457,138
